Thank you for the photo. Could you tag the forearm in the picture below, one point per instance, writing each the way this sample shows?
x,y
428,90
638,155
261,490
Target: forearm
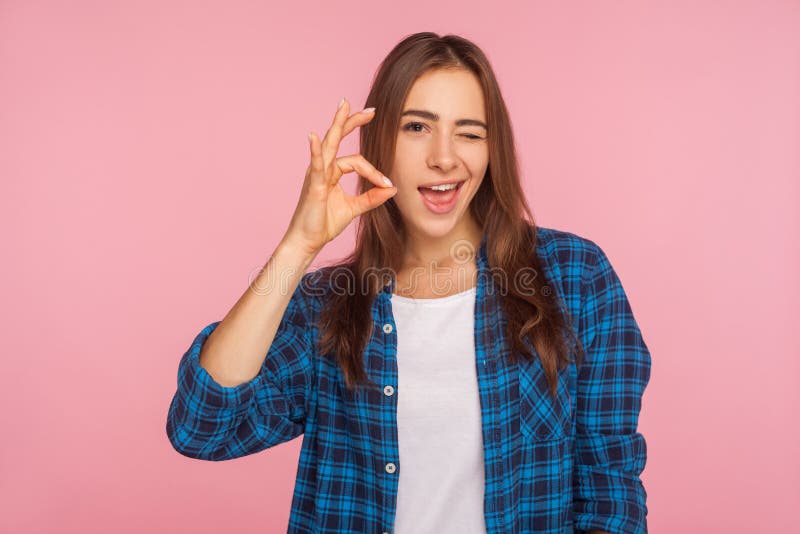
x,y
235,350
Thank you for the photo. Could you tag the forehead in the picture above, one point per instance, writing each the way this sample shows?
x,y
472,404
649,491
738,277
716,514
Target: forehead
x,y
452,94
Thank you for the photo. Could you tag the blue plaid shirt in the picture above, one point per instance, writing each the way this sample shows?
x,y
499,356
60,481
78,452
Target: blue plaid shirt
x,y
569,464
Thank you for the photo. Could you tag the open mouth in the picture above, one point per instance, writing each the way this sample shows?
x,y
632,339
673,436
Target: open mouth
x,y
441,199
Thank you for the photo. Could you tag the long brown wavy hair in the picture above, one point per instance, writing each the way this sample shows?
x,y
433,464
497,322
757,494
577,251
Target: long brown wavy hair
x,y
499,207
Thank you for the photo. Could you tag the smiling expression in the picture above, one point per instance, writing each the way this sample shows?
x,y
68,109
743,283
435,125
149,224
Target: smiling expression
x,y
442,138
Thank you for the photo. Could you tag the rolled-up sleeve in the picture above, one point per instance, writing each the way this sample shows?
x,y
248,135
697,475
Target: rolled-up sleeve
x,y
208,421
610,453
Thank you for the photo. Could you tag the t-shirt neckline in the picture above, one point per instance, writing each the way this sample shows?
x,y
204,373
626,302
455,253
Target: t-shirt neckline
x,y
435,300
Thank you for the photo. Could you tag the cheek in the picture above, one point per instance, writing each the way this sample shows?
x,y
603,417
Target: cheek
x,y
403,158
475,182
477,158
473,188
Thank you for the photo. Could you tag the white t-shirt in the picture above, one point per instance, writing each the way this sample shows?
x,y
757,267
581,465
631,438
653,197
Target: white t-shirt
x,y
441,475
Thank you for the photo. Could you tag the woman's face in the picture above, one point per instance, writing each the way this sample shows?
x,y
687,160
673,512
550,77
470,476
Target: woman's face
x,y
441,139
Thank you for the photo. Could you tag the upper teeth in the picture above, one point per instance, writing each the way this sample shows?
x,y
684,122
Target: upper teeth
x,y
444,187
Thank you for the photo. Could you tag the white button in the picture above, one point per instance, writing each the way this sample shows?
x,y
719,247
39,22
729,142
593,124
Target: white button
x,y
390,467
388,390
387,328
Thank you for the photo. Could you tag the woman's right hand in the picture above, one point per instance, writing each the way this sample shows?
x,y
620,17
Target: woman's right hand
x,y
324,209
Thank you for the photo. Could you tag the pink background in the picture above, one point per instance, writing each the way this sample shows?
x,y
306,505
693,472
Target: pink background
x,y
152,153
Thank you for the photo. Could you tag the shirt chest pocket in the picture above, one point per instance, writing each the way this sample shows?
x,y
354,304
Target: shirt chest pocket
x,y
542,416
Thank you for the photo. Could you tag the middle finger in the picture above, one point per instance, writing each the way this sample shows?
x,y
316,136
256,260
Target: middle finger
x,y
359,118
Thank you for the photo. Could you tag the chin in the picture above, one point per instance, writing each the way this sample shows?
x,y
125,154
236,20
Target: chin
x,y
436,228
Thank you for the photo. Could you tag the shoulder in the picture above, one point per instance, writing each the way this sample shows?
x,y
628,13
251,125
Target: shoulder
x,y
571,254
570,262
320,284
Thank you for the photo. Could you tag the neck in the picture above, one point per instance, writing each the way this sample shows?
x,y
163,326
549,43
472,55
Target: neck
x,y
457,247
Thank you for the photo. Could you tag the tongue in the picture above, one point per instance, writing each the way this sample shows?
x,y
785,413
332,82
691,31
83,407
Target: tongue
x,y
438,197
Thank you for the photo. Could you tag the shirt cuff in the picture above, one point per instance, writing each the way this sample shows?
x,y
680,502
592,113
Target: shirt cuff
x,y
206,398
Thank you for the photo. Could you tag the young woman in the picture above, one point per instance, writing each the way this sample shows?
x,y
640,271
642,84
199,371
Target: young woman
x,y
463,370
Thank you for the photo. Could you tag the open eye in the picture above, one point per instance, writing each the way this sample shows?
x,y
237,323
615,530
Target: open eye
x,y
411,125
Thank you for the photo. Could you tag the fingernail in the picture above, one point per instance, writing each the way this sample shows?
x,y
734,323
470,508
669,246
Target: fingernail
x,y
368,110
341,103
388,181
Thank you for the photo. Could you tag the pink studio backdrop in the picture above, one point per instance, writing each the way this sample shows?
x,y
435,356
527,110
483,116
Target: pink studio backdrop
x,y
151,156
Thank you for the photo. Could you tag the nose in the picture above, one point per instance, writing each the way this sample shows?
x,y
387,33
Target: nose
x,y
442,154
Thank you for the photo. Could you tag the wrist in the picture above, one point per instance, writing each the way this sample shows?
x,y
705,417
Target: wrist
x,y
290,252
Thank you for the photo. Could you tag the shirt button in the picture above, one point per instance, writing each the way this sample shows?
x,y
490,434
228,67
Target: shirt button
x,y
388,391
387,328
390,467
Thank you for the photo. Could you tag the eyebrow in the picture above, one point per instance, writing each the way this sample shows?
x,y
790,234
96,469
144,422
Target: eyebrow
x,y
435,117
